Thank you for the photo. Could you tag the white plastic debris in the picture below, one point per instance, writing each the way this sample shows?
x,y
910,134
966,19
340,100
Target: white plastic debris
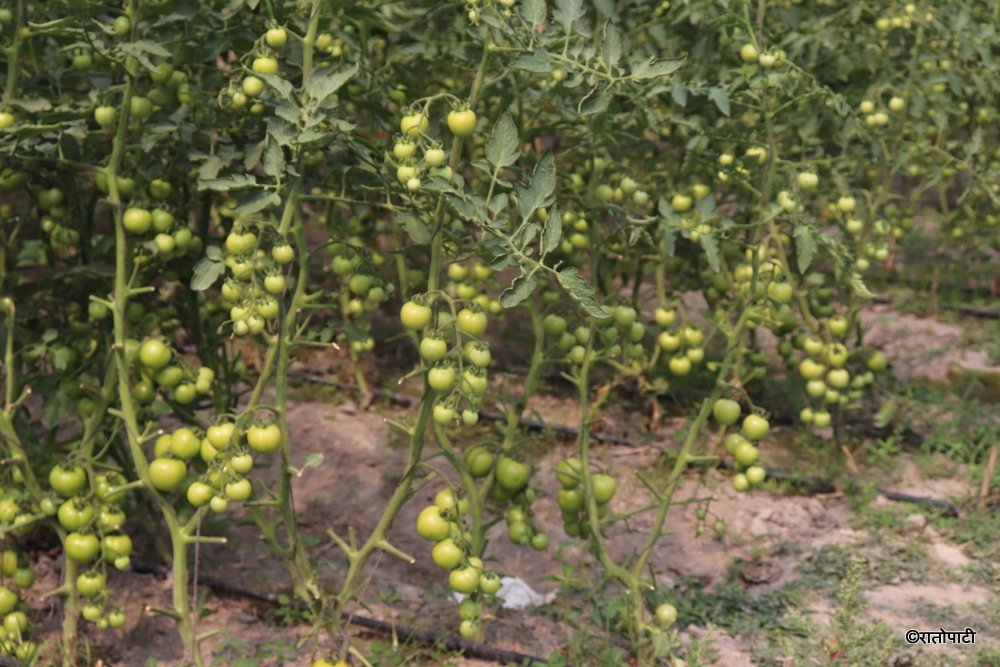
x,y
517,594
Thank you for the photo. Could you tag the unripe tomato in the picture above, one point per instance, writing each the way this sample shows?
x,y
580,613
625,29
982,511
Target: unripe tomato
x,y
472,323
680,366
464,580
265,65
199,494
140,107
726,411
431,525
252,86
154,354
415,316
755,427
462,122
81,548
137,220
167,474
681,202
570,500
740,482
283,253
877,362
604,488
8,600
239,490
220,434
821,419
184,443
241,464
6,120
67,482
434,157
414,124
568,472
447,555
749,53
746,453
479,461
106,116
264,439
807,180
73,516
276,37
666,614
755,475
441,378
553,325
121,26
512,475
90,584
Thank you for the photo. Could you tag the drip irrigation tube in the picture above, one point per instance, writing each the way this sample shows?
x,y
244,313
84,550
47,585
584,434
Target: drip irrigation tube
x,y
971,311
403,632
811,484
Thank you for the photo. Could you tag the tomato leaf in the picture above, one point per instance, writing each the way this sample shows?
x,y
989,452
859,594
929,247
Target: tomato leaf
x,y
502,146
535,61
567,13
859,288
415,228
552,231
721,99
582,292
534,12
206,272
226,183
805,247
258,202
538,194
653,68
711,248
611,45
519,290
326,81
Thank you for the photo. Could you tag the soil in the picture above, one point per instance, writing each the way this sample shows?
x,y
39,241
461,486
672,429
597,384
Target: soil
x,y
770,536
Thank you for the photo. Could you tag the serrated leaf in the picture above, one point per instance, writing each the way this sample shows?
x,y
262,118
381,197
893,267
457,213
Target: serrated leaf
x,y
538,194
498,203
595,103
582,292
534,11
213,252
234,182
326,81
552,231
253,154
611,45
533,61
34,105
258,202
354,333
711,248
653,68
805,247
519,290
206,272
274,159
282,86
414,227
859,288
679,94
720,97
313,460
568,13
502,148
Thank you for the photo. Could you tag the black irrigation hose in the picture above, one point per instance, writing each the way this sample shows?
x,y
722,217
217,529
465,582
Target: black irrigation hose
x,y
812,485
468,648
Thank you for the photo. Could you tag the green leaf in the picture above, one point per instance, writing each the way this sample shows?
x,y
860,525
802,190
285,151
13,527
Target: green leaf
x,y
534,11
283,87
258,202
206,272
721,99
611,45
592,104
354,333
552,231
538,194
582,292
226,183
711,248
415,228
679,94
805,247
534,61
567,13
274,160
326,81
35,105
519,290
653,68
213,252
313,460
502,148
859,288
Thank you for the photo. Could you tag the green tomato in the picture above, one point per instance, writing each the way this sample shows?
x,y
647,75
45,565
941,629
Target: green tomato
x,y
264,439
167,474
462,122
67,482
81,548
755,427
472,323
604,488
726,411
447,555
431,525
415,316
512,475
666,614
